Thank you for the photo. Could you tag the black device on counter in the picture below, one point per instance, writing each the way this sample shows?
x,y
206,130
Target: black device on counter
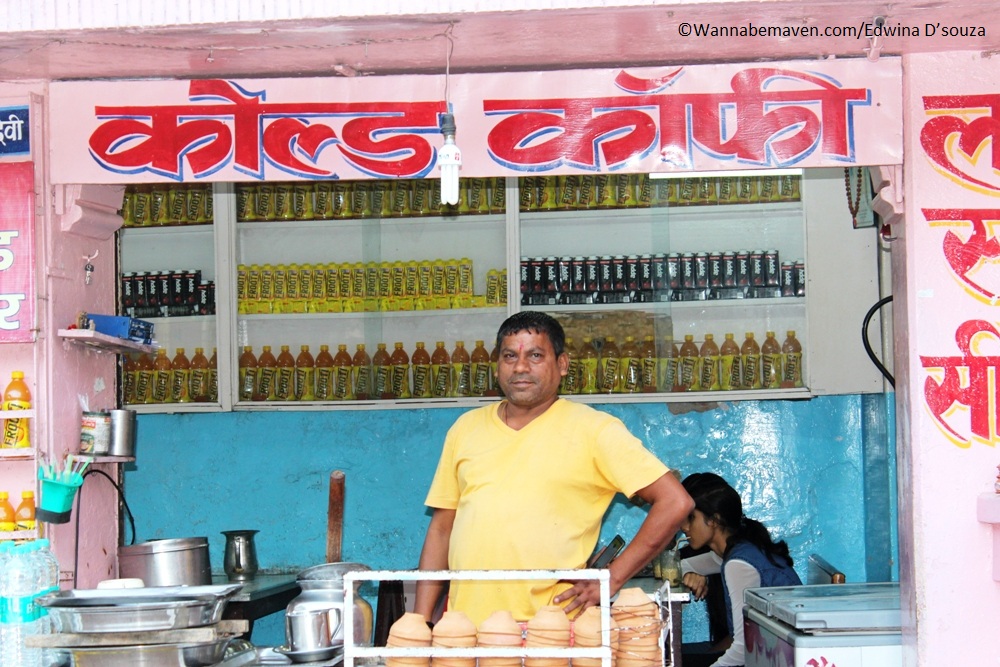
x,y
608,553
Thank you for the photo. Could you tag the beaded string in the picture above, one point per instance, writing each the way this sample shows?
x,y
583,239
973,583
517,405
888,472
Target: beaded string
x,y
853,203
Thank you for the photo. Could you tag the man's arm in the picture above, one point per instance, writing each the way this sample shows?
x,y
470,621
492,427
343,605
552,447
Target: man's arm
x,y
669,505
434,556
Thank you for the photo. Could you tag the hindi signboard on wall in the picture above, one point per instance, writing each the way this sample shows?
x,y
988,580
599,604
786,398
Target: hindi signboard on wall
x,y
17,252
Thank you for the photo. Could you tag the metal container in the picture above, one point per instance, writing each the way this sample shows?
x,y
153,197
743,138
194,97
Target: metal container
x,y
323,591
171,562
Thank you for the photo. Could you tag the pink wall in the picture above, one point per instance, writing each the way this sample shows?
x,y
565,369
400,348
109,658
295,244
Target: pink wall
x,y
947,439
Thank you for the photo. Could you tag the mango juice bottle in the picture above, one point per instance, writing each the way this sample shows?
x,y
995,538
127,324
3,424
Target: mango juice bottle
x,y
130,368
198,380
144,379
16,397
669,355
7,520
305,375
361,373
750,359
267,371
284,381
324,374
570,382
480,370
770,362
791,352
688,374
213,377
730,368
248,374
380,372
649,365
631,367
709,380
343,386
422,374
161,378
24,515
589,363
461,370
609,374
441,372
494,366
399,372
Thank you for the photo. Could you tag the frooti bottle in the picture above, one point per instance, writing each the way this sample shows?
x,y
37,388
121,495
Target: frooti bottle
x,y
770,362
284,384
248,374
631,367
750,358
791,352
198,381
144,379
130,369
161,378
730,369
461,370
589,363
324,374
17,396
649,365
180,381
24,515
688,371
669,356
267,370
305,375
7,519
399,372
709,380
570,382
422,374
480,369
213,376
343,387
361,373
495,390
441,377
610,375
380,372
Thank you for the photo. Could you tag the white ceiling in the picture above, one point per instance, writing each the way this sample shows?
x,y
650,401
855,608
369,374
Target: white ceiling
x,y
493,41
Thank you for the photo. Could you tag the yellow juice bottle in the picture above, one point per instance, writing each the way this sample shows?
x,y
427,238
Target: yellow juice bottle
x,y
750,360
709,379
770,362
380,372
361,373
610,374
589,363
248,374
324,374
399,372
442,382
267,372
688,370
422,375
343,387
730,366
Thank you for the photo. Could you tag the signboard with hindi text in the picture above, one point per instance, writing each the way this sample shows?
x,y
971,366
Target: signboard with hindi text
x,y
17,252
650,119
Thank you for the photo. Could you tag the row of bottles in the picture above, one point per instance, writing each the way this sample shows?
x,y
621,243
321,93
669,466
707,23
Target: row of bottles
x,y
363,287
574,192
160,379
20,518
646,367
167,204
17,396
345,200
361,376
27,572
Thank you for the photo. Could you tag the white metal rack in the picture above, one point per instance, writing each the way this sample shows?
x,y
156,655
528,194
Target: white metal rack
x,y
353,652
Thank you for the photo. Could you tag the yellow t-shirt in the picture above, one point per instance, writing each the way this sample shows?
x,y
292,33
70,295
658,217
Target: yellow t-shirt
x,y
531,499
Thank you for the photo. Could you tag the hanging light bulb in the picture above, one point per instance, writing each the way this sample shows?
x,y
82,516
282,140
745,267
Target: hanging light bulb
x,y
449,160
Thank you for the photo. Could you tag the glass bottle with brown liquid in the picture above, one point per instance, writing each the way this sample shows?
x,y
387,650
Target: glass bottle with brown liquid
x,y
248,374
649,365
361,373
709,380
422,376
305,375
380,372
441,372
130,368
669,356
324,374
399,372
144,379
770,362
343,387
495,389
198,387
631,367
610,375
750,358
589,366
213,377
791,351
461,370
480,370
730,368
267,372
161,378
688,371
570,382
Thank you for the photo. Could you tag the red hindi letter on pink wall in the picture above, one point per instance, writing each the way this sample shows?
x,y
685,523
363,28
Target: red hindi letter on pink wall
x,y
17,252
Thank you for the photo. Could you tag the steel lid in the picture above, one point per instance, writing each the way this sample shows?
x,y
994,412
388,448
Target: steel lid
x,y
164,546
331,573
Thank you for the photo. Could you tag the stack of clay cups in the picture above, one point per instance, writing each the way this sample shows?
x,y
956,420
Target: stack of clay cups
x,y
454,630
587,634
639,628
500,630
548,628
409,630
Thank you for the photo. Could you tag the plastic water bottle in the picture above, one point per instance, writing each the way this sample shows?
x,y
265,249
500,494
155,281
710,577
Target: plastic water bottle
x,y
4,626
20,586
48,582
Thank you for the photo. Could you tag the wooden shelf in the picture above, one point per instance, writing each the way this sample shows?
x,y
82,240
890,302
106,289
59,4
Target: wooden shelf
x,y
103,342
23,453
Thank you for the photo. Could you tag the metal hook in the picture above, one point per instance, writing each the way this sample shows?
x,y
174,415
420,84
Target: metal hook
x,y
875,43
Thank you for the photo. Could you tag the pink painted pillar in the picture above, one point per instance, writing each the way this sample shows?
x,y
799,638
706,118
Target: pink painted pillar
x,y
947,319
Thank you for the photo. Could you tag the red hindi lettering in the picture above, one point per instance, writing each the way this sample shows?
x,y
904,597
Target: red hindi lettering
x,y
935,135
963,256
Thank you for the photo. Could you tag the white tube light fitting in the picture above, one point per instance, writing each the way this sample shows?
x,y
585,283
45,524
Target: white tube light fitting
x,y
449,161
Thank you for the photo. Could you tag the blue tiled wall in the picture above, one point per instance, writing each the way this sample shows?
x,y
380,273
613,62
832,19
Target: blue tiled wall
x,y
819,473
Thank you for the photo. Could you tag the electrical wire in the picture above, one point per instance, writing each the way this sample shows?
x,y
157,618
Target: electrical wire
x,y
868,347
79,501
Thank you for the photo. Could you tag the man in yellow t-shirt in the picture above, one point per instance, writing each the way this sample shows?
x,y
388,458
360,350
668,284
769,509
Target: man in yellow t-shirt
x,y
524,484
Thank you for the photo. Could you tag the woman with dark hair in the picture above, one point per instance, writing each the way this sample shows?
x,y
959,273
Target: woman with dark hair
x,y
741,549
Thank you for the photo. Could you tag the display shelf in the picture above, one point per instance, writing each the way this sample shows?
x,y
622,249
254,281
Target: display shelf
x,y
23,453
173,408
372,315
346,223
11,414
103,342
18,535
155,230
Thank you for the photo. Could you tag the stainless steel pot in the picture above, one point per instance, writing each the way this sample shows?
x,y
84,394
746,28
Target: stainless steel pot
x,y
170,562
323,592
